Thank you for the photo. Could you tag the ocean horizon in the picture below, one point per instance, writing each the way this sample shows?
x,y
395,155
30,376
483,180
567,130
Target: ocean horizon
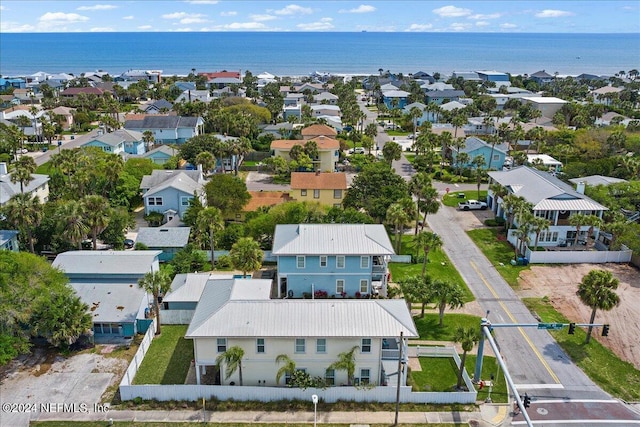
x,y
301,53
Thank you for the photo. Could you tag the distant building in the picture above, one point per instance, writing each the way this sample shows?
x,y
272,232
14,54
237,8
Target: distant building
x,y
38,186
9,240
328,188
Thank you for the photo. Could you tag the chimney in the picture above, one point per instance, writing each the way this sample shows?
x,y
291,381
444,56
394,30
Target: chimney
x,y
3,168
580,187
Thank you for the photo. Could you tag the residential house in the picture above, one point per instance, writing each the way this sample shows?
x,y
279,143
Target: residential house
x,y
168,240
325,98
421,75
311,333
327,188
67,116
16,83
316,130
595,180
161,154
223,82
314,87
328,151
37,187
159,106
604,95
436,86
151,76
320,110
443,96
9,240
221,74
28,96
547,105
427,116
278,130
466,75
195,96
395,99
183,86
551,198
74,92
186,290
551,164
541,77
260,199
14,113
331,259
475,146
168,129
169,192
120,141
611,117
500,79
107,281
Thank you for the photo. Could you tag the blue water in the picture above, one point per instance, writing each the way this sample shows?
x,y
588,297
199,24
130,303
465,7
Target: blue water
x,y
303,53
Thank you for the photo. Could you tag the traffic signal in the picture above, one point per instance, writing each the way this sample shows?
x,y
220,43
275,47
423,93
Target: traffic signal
x,y
526,401
605,330
572,328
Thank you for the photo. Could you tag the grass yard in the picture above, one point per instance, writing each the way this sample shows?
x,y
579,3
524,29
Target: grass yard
x,y
499,393
499,252
429,328
613,375
44,169
168,358
452,198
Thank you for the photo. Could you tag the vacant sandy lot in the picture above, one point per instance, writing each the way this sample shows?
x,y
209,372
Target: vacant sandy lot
x,y
560,284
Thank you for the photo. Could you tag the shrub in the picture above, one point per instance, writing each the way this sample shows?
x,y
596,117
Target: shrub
x,y
223,262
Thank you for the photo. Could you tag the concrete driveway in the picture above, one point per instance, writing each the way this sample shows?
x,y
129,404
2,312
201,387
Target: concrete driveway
x,y
260,181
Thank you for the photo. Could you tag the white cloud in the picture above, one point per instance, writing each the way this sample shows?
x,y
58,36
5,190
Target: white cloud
x,y
2,7
294,9
145,27
363,8
481,16
58,17
244,26
175,15
451,11
192,20
508,26
16,27
460,26
101,30
186,18
261,18
323,24
229,13
98,7
419,27
482,23
202,1
553,13
128,18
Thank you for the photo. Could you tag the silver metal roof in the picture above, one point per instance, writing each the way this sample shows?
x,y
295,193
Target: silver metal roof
x,y
220,315
331,239
106,262
163,237
180,182
189,287
111,302
594,180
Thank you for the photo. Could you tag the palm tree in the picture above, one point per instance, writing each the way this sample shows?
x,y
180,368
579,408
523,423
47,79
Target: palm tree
x,y
233,359
97,216
419,183
593,221
157,283
206,160
346,362
597,291
415,113
288,367
209,222
74,227
478,162
397,217
539,225
25,212
468,338
246,255
499,192
445,140
430,204
391,151
445,293
426,241
24,167
578,220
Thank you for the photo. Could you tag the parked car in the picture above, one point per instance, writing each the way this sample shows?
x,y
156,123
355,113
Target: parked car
x,y
128,243
357,150
470,205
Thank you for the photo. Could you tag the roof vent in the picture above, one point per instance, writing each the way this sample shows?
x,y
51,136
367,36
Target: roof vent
x,y
164,229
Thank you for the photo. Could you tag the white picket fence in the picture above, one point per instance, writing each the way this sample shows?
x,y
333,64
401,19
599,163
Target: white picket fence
x,y
576,257
130,374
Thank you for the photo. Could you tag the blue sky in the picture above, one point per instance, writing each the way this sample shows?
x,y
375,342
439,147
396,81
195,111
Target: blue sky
x,y
610,16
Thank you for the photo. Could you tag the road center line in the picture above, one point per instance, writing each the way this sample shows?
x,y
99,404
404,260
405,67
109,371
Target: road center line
x,y
572,421
513,319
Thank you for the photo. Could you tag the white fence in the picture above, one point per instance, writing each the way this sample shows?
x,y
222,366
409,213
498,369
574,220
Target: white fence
x,y
127,379
448,352
176,317
576,257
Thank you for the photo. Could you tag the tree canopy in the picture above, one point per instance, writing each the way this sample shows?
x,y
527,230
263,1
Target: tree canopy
x,y
227,193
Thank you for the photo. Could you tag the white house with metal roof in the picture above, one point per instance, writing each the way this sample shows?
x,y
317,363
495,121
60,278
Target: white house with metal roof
x,y
239,313
331,260
169,240
551,199
38,186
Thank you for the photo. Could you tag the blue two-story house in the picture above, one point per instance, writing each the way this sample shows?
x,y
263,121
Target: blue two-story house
x,y
119,142
477,147
169,192
331,260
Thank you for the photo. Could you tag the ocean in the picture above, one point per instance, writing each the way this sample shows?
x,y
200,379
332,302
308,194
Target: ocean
x,y
297,54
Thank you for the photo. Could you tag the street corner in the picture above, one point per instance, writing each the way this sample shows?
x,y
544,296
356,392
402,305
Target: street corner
x,y
494,414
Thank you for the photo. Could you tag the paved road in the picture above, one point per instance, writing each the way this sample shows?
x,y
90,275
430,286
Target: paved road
x,y
535,361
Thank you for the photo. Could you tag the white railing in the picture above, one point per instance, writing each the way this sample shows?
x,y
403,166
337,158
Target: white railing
x,y
130,374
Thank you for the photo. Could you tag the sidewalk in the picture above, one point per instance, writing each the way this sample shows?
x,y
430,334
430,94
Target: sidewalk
x,y
489,415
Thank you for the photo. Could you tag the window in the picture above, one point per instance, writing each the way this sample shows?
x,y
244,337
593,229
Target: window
x,y
365,376
323,261
366,345
184,200
303,192
364,286
340,261
222,345
496,156
364,262
330,376
154,201
321,345
300,261
316,194
337,194
300,345
259,345
339,286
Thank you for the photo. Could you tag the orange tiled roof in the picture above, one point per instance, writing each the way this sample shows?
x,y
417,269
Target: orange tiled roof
x,y
319,181
319,129
218,74
265,198
324,143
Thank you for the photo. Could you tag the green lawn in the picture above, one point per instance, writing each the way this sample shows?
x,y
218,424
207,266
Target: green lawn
x,y
429,328
168,358
452,198
44,169
499,252
617,377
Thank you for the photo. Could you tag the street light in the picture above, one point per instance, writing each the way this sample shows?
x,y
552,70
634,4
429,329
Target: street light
x,y
314,399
